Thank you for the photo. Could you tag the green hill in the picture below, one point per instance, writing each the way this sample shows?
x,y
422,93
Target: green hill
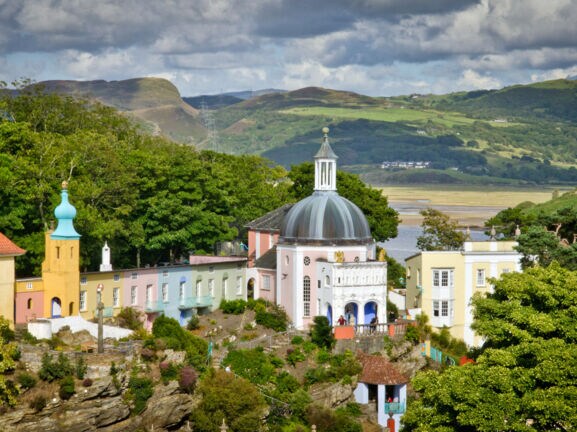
x,y
154,102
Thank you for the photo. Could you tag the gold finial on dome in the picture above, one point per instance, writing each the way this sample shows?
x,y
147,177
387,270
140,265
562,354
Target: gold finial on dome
x,y
64,184
382,255
325,131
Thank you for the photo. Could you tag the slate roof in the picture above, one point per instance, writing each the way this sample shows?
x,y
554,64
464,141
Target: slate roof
x,y
267,260
271,221
8,248
378,370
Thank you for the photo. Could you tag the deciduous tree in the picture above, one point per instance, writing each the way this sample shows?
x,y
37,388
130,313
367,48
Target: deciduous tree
x,y
439,232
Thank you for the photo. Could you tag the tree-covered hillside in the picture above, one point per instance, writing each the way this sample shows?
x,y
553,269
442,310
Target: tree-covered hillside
x,y
153,200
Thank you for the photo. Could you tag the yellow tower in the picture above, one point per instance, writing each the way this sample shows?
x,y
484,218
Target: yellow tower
x,y
61,266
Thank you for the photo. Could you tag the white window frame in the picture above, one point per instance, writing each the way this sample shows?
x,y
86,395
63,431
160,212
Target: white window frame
x,y
211,287
481,281
165,292
116,277
198,287
181,288
133,294
266,282
82,302
238,285
307,296
116,297
134,275
83,280
148,294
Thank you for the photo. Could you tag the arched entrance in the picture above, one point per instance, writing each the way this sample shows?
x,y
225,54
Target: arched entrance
x,y
56,308
371,311
250,289
330,314
352,313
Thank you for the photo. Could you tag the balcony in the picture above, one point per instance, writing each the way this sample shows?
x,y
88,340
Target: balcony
x,y
107,312
154,306
394,407
195,302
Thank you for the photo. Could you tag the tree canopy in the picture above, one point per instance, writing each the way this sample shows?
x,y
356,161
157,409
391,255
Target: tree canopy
x,y
439,232
525,378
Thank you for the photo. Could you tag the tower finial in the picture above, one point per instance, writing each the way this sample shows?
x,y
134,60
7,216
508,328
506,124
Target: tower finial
x,y
64,185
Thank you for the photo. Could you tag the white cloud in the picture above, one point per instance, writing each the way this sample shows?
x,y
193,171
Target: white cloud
x,y
472,80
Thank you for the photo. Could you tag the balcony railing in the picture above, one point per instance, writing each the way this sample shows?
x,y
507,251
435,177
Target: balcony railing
x,y
154,306
107,312
394,407
194,302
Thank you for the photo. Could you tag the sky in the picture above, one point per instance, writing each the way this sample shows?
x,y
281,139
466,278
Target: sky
x,y
372,47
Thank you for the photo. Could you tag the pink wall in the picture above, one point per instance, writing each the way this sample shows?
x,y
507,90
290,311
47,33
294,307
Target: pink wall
x,y
23,314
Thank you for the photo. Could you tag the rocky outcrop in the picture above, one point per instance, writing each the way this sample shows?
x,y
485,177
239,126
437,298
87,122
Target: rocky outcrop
x,y
102,407
332,395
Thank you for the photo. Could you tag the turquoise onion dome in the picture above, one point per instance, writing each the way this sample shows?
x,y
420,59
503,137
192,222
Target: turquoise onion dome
x,y
65,214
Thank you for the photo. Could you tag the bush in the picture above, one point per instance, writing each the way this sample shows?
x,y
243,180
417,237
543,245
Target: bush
x,y
187,379
80,368
412,334
168,371
53,370
130,318
26,380
66,387
322,333
297,340
193,323
294,356
139,391
6,333
87,382
38,402
276,318
234,307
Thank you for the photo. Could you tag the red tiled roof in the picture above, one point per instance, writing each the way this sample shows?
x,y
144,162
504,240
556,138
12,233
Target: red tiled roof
x,y
378,370
8,248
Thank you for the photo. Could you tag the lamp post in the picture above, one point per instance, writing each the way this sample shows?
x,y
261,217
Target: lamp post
x,y
100,308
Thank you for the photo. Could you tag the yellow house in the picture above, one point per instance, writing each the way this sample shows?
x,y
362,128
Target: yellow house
x,y
60,268
8,250
442,283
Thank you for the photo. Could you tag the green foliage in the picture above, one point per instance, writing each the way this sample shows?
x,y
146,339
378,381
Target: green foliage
x,y
66,389
51,370
187,379
396,273
224,396
130,318
297,340
169,331
6,333
439,232
235,307
274,318
193,323
332,421
80,368
338,367
168,371
254,365
412,335
26,380
294,356
38,402
525,370
140,389
322,332
449,344
392,311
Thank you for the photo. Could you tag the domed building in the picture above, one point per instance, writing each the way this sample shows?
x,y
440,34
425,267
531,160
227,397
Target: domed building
x,y
320,253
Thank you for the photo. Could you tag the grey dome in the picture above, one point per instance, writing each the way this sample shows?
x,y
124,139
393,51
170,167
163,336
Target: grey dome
x,y
325,217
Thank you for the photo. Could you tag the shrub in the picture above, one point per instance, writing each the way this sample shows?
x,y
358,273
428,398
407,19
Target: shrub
x,y
38,402
6,333
147,354
168,371
193,323
297,340
80,368
187,379
130,318
322,333
276,318
87,382
28,337
294,356
26,380
66,387
139,391
53,370
412,334
234,307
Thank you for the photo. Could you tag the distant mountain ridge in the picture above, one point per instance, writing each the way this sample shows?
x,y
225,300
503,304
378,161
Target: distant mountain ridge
x,y
523,133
